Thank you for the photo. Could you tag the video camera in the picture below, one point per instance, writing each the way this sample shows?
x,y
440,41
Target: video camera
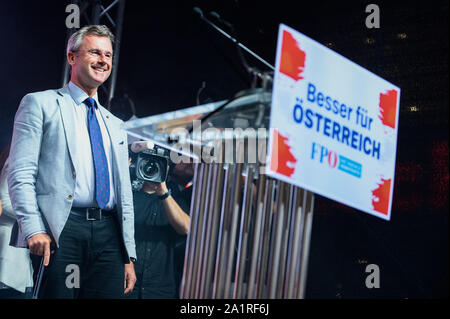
x,y
148,163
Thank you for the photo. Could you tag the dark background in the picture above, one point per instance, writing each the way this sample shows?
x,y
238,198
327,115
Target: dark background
x,y
167,52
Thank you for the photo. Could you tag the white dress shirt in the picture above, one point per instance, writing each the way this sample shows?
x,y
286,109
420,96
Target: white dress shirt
x,y
84,195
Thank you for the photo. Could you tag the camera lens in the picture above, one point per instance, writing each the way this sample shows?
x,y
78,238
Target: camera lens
x,y
149,169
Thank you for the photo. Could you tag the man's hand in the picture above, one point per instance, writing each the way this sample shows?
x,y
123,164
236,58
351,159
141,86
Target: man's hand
x,y
159,188
39,244
130,277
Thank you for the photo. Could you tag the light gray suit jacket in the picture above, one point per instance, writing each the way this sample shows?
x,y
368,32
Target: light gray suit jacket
x,y
16,270
41,175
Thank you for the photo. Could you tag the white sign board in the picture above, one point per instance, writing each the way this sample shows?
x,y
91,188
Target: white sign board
x,y
333,125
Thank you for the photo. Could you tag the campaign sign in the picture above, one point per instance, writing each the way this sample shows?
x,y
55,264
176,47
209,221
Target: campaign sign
x,y
333,125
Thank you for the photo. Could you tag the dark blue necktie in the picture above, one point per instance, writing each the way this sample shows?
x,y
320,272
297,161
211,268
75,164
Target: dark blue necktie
x,y
99,156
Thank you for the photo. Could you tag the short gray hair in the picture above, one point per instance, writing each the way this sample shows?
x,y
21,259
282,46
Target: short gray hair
x,y
76,39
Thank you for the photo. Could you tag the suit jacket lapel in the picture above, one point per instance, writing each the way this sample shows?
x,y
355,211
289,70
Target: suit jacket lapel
x,y
68,117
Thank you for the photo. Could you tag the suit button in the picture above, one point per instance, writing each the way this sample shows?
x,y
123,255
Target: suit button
x,y
70,196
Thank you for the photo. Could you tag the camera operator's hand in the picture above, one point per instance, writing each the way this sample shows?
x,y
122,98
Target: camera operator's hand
x,y
159,188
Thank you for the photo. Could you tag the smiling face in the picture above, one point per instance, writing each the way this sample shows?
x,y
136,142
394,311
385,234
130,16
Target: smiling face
x,y
91,63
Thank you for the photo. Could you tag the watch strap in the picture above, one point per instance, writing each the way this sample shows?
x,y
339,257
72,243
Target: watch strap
x,y
164,196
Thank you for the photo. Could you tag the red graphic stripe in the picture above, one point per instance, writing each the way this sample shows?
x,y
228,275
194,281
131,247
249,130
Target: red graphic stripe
x,y
281,155
292,57
388,107
380,196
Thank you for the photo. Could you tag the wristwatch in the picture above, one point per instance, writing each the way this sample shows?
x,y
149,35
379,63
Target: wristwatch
x,y
164,196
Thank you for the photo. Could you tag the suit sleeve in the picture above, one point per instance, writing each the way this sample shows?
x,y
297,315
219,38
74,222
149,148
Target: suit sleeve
x,y
23,165
127,201
4,195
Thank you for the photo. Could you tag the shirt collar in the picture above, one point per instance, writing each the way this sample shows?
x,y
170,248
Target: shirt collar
x,y
79,95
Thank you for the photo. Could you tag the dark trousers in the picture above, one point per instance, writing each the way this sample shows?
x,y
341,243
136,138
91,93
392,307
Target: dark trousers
x,y
89,262
9,293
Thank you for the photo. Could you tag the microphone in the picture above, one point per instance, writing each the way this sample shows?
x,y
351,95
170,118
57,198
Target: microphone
x,y
234,39
215,14
252,70
198,11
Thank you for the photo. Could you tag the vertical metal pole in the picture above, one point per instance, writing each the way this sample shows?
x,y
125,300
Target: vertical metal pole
x,y
256,244
198,231
295,233
222,238
118,40
234,211
284,246
276,241
186,270
206,232
95,14
66,68
243,233
298,265
265,236
202,229
66,73
213,233
309,209
190,251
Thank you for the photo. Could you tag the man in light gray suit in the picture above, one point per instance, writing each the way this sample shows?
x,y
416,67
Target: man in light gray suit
x,y
69,179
